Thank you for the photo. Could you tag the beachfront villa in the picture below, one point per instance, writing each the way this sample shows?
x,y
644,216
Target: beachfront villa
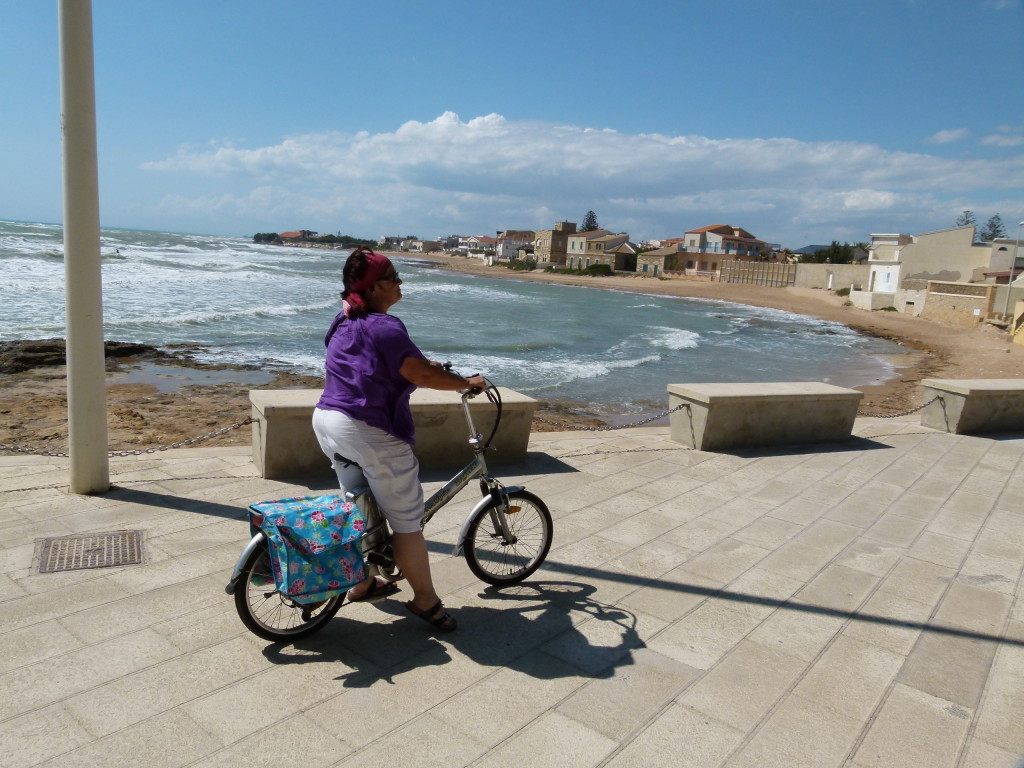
x,y
551,245
724,239
597,246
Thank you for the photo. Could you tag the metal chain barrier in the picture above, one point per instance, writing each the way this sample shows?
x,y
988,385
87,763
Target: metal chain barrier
x,y
139,451
609,429
904,413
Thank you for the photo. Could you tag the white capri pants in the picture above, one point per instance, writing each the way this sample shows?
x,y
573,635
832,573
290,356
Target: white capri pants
x,y
387,464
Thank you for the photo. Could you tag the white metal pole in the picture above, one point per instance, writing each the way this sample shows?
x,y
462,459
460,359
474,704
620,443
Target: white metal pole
x,y
83,290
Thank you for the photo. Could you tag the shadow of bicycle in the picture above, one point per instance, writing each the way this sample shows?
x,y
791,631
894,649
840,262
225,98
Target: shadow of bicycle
x,y
544,629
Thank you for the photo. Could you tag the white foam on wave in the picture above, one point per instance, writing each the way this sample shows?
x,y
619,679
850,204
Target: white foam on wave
x,y
215,316
672,338
531,375
471,292
268,360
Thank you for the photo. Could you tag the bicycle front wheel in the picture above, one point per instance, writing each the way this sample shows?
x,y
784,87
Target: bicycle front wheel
x,y
500,559
268,613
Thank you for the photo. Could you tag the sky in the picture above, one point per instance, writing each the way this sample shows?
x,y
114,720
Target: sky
x,y
802,121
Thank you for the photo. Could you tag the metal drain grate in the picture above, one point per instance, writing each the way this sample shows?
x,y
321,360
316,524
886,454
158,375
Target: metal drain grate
x,y
91,550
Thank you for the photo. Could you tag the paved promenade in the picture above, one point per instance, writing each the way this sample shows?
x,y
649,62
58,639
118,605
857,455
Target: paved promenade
x,y
853,605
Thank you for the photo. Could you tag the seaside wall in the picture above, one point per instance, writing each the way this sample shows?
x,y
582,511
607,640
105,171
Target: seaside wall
x,y
842,276
964,304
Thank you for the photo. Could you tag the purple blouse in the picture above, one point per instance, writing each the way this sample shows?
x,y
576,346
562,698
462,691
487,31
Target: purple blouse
x,y
364,355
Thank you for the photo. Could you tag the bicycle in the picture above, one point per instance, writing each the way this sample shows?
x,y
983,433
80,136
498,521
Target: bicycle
x,y
504,539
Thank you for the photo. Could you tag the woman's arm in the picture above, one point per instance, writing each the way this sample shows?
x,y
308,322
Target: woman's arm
x,y
424,373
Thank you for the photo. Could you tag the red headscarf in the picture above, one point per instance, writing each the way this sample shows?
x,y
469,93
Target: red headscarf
x,y
376,267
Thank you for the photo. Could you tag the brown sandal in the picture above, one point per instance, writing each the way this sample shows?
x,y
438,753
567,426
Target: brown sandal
x,y
378,589
435,615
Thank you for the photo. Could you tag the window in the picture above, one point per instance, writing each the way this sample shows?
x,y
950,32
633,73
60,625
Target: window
x,y
645,268
655,270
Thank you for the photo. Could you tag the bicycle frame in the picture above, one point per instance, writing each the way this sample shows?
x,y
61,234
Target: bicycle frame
x,y
490,488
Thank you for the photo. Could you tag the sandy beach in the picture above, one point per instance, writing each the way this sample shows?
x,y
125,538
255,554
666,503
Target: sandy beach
x,y
162,401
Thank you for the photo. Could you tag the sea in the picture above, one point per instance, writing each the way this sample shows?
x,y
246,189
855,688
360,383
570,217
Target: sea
x,y
605,352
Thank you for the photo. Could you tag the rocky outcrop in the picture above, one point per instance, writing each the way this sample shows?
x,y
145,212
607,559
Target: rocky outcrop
x,y
18,356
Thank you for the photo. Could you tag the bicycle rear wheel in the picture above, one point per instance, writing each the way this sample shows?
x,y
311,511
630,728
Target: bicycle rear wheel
x,y
499,560
268,613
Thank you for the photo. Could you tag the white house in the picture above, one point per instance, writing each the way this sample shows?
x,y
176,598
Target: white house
x,y
900,266
509,242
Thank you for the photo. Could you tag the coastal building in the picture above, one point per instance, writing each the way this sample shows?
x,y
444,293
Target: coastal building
x,y
1006,262
724,240
668,258
550,245
449,242
901,267
581,246
390,242
424,246
588,248
666,242
509,241
480,246
621,257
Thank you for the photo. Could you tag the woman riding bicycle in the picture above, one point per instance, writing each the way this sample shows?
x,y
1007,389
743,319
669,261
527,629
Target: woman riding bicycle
x,y
363,418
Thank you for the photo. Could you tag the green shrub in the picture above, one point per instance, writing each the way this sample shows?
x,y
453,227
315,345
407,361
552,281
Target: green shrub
x,y
843,291
889,309
601,270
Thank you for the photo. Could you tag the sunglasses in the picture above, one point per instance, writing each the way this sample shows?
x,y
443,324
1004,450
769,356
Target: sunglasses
x,y
392,278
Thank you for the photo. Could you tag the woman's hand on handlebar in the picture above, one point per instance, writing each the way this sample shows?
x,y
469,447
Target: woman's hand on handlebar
x,y
426,373
476,384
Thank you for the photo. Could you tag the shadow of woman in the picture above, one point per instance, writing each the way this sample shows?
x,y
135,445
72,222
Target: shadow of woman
x,y
545,629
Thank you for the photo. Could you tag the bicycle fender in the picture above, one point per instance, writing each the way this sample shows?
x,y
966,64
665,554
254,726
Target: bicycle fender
x,y
255,542
481,505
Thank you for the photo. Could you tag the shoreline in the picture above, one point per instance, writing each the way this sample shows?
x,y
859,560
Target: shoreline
x,y
933,350
157,398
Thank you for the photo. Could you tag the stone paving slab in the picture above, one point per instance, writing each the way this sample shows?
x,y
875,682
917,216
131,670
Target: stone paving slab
x,y
857,604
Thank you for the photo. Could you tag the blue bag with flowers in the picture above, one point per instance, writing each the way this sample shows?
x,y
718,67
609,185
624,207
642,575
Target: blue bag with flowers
x,y
314,545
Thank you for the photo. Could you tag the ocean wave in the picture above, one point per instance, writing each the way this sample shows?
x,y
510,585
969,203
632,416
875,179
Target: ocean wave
x,y
471,292
267,360
216,316
533,375
672,338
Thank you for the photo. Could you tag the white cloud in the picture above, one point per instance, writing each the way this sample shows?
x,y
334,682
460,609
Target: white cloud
x,y
1007,138
490,173
946,137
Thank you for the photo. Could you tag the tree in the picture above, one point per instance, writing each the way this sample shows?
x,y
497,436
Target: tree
x,y
834,254
966,219
589,222
993,228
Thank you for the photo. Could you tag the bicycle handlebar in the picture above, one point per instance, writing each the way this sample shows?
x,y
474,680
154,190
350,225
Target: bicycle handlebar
x,y
472,391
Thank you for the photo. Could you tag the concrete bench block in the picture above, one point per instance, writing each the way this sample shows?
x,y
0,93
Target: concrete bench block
x,y
974,406
284,445
727,416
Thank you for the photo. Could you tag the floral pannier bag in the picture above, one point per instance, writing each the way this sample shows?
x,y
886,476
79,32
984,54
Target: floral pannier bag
x,y
314,545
